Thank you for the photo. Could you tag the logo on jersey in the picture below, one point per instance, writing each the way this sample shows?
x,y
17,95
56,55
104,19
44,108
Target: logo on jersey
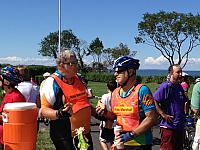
x,y
148,100
123,109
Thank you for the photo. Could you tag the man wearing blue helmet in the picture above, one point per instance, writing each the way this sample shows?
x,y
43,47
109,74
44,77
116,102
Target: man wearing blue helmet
x,y
132,105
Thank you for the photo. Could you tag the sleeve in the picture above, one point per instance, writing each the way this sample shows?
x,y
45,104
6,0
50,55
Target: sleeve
x,y
36,89
106,100
34,93
195,99
103,99
161,93
146,99
47,96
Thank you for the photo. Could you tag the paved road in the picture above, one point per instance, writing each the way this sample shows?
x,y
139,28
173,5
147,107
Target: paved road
x,y
95,135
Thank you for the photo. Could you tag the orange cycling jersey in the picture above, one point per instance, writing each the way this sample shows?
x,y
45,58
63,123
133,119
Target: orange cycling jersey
x,y
77,95
127,112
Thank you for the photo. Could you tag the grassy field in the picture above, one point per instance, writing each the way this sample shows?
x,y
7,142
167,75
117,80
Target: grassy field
x,y
44,141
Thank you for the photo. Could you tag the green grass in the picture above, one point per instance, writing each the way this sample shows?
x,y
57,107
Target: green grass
x,y
44,141
98,88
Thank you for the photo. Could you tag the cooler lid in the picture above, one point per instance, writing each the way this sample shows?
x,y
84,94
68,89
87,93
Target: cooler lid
x,y
20,105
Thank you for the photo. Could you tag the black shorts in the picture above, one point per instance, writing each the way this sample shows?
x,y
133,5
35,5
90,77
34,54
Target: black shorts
x,y
106,135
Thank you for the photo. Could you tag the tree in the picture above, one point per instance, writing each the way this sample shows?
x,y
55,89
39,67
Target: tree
x,y
49,45
111,54
95,49
80,50
173,34
107,55
122,50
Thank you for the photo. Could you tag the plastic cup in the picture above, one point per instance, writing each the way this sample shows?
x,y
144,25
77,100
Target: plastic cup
x,y
118,144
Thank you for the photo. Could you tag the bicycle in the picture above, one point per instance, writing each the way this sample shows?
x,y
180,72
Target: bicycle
x,y
189,132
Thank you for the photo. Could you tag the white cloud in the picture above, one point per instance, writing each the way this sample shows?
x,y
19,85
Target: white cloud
x,y
155,61
149,62
13,60
162,63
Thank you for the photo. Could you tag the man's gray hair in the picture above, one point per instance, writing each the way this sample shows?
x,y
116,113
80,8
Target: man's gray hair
x,y
64,56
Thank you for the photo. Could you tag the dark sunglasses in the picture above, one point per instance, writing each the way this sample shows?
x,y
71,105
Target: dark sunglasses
x,y
71,63
118,71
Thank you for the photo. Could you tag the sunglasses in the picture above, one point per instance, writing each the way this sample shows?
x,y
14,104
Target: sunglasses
x,y
71,63
118,71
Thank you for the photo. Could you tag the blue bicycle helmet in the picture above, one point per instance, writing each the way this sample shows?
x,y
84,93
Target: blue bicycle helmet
x,y
11,74
126,62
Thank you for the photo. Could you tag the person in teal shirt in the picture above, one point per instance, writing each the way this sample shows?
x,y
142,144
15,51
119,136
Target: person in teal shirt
x,y
195,105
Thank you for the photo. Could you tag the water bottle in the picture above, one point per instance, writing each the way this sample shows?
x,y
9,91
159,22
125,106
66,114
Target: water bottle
x,y
117,130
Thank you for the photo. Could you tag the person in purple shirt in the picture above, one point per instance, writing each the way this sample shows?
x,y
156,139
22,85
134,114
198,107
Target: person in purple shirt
x,y
170,103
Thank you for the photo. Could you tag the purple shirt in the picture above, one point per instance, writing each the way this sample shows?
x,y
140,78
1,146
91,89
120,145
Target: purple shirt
x,y
172,99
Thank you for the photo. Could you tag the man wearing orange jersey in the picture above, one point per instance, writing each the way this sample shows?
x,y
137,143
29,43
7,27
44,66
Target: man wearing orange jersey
x,y
64,101
132,105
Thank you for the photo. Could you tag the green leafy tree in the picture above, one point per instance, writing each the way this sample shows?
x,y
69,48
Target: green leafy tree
x,y
49,45
122,50
173,34
95,49
111,54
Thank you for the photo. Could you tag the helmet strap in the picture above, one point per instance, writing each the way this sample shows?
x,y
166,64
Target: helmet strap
x,y
126,80
129,76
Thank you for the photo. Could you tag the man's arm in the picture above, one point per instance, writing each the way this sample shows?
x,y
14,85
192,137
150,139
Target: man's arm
x,y
147,123
49,113
102,111
52,114
162,113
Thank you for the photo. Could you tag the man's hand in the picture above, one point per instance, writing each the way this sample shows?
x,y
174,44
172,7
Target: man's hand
x,y
124,137
168,118
100,108
65,111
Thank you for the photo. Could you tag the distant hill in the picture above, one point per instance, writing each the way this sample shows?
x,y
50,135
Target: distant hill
x,y
158,72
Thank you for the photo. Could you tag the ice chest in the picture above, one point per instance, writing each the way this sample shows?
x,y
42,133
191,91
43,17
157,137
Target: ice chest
x,y
20,126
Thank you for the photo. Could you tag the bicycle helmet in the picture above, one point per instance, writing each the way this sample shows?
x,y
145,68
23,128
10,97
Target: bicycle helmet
x,y
126,62
11,74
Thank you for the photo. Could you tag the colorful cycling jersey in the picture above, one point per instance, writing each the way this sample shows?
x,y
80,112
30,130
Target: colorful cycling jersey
x,y
130,109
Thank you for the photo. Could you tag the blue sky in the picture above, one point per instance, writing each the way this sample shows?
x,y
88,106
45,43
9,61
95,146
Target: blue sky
x,y
25,22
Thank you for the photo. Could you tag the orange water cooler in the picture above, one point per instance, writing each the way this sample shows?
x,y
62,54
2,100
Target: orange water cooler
x,y
20,126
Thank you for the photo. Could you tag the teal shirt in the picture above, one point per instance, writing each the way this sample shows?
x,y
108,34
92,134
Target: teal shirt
x,y
195,100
